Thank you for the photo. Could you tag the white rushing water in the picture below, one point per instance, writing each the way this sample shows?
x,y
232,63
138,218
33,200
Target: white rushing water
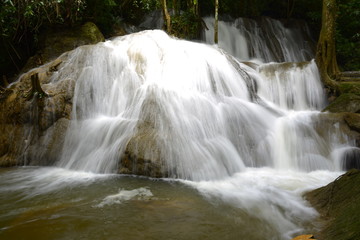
x,y
210,116
264,39
244,134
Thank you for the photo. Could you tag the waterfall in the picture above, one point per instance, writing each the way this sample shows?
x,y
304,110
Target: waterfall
x,y
232,121
264,39
192,108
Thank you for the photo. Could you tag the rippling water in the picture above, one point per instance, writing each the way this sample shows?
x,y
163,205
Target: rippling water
x,y
53,203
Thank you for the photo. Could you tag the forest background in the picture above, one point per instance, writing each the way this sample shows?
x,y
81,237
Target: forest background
x,y
23,21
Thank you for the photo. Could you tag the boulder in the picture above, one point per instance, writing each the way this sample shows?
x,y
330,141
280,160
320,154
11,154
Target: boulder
x,y
349,99
347,102
353,121
339,206
143,154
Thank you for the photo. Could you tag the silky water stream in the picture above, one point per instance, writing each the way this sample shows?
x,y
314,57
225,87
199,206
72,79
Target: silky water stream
x,y
238,142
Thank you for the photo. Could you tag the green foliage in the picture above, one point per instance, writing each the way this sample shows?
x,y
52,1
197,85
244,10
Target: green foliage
x,y
20,21
135,10
101,13
186,25
348,35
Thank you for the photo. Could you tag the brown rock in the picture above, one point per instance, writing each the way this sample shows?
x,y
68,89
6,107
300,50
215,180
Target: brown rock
x,y
33,128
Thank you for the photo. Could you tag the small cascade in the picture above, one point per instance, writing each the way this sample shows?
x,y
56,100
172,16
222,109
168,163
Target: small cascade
x,y
264,39
295,86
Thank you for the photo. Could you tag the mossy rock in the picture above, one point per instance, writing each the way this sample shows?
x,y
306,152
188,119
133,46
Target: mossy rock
x,y
353,121
347,102
54,42
339,206
349,87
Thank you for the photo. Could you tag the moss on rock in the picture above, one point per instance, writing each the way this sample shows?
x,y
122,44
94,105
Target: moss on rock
x,y
339,206
349,87
347,102
353,121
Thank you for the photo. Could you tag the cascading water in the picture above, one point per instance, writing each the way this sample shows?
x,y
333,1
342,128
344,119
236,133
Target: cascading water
x,y
265,39
208,116
243,134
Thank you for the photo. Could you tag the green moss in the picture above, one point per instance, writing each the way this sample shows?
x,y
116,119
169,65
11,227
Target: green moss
x,y
350,87
347,102
339,205
92,33
353,121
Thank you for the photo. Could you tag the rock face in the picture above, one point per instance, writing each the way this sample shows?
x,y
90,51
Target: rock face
x,y
339,206
348,103
143,154
349,99
55,42
34,126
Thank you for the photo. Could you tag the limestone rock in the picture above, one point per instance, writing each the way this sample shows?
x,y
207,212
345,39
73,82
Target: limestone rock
x,y
46,151
29,123
143,154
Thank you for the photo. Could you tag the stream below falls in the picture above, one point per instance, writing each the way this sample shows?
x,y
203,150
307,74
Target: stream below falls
x,y
54,203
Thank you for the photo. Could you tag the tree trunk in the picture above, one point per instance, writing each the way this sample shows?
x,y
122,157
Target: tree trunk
x,y
326,52
36,89
167,18
216,27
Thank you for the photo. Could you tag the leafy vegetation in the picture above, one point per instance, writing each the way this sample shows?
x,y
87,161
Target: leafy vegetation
x,y
348,35
22,20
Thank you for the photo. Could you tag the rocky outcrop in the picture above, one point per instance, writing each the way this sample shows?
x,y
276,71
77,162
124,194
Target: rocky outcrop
x,y
34,125
339,206
348,99
143,154
347,102
54,42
